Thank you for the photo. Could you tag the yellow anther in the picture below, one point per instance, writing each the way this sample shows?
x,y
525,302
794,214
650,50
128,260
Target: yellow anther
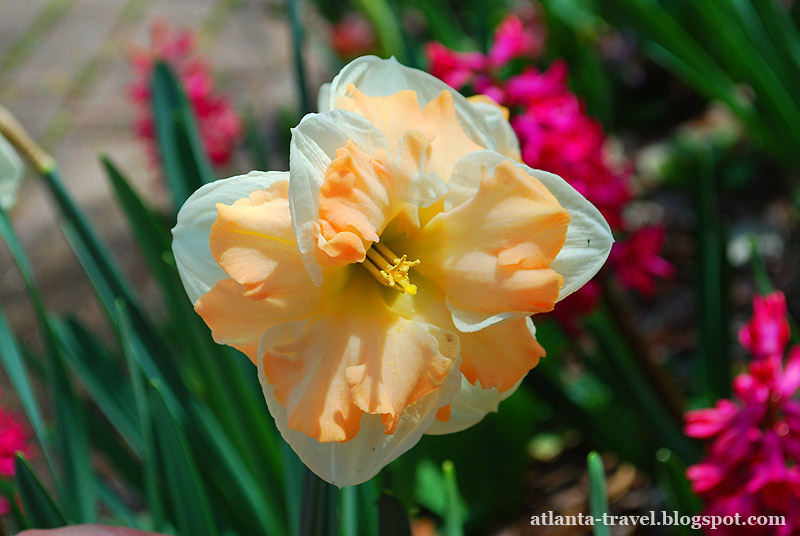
x,y
389,269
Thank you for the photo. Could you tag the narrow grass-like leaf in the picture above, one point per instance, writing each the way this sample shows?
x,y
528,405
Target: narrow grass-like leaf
x,y
17,372
677,492
182,157
76,485
186,489
603,427
368,494
241,483
293,475
77,482
598,499
712,313
133,357
101,377
40,509
617,353
112,502
388,27
319,509
152,237
454,514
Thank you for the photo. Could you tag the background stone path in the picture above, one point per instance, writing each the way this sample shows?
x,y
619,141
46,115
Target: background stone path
x,y
63,72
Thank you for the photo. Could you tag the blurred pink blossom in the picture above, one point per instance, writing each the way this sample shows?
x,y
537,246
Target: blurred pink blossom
x,y
352,36
768,331
14,437
637,260
513,39
751,467
219,125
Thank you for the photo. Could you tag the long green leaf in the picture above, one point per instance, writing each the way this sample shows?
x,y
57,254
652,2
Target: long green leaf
x,y
617,353
454,505
102,379
319,515
17,372
182,156
76,485
671,480
241,486
40,509
134,358
152,237
186,489
598,500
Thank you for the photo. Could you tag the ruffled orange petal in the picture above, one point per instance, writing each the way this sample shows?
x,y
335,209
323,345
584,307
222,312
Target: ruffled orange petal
x,y
234,319
497,356
253,241
491,254
357,357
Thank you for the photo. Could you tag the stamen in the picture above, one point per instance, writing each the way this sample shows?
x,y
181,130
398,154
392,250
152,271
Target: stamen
x,y
389,269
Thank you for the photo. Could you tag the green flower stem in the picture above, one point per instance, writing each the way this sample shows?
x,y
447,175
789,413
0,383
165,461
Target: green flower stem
x,y
663,385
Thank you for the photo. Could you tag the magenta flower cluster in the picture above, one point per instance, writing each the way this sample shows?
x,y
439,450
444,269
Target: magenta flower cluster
x,y
751,467
14,437
219,125
557,135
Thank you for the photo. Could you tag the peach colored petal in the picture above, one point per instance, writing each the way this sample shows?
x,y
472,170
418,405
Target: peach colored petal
x,y
356,357
397,114
450,143
355,203
252,240
393,115
491,254
498,356
234,319
362,193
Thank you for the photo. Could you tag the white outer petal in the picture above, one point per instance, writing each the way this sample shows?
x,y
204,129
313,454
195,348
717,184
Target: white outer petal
x,y
589,237
471,406
11,172
377,77
361,458
197,268
313,147
323,98
504,136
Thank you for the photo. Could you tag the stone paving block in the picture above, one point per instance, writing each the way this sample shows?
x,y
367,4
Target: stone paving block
x,y
16,16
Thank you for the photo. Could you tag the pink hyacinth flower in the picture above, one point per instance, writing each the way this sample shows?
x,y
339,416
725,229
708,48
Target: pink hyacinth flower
x,y
768,332
637,260
513,40
219,125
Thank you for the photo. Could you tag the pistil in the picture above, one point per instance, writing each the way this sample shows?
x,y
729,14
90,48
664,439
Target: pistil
x,y
389,269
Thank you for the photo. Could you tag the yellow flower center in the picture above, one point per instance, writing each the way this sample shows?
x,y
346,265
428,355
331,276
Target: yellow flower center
x,y
389,269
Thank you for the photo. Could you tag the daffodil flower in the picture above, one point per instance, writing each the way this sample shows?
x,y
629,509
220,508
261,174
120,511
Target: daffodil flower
x,y
384,285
